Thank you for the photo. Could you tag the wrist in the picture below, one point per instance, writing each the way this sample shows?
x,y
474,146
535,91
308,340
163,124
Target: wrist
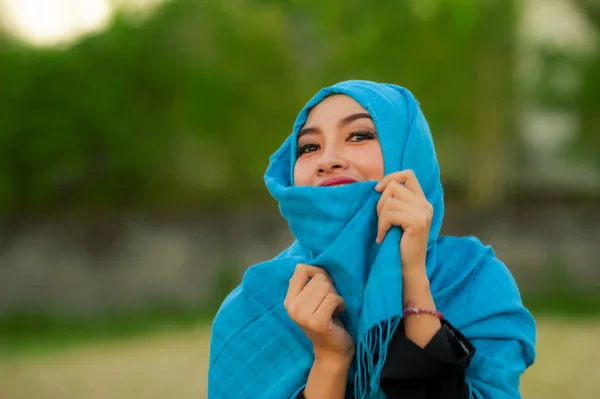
x,y
415,271
415,285
332,363
328,377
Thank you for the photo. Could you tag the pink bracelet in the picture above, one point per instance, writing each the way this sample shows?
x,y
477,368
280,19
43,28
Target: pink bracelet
x,y
410,309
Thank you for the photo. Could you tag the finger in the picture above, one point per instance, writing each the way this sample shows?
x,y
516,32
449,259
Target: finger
x,y
406,177
391,218
408,215
403,192
412,183
382,201
300,278
397,204
312,271
312,295
383,226
302,307
322,320
397,191
296,284
399,177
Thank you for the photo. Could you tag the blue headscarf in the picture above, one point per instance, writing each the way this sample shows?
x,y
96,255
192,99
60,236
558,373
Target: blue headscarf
x,y
257,351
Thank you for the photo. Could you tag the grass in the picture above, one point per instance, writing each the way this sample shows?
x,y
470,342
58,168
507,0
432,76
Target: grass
x,y
34,333
173,363
26,332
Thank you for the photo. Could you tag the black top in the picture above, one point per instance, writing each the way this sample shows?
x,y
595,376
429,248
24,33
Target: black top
x,y
434,372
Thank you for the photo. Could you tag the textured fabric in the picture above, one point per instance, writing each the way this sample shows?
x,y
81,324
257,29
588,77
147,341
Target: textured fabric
x,y
257,351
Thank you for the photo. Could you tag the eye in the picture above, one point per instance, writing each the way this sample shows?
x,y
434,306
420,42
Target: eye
x,y
307,148
361,135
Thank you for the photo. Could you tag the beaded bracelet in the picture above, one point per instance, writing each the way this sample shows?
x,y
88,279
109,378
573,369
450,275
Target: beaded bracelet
x,y
410,309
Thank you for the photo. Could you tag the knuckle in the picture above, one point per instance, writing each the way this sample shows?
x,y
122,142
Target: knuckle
x,y
293,309
384,210
382,217
319,285
381,204
332,297
387,216
324,276
300,267
304,319
314,325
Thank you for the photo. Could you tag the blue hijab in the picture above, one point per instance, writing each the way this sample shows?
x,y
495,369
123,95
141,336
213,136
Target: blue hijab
x,y
257,351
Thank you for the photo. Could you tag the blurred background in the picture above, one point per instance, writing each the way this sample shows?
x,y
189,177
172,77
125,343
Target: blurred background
x,y
134,135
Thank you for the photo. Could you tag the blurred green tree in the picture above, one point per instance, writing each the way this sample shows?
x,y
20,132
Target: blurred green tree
x,y
588,97
456,56
570,82
185,106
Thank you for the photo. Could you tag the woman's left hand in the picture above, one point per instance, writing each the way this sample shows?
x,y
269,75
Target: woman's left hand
x,y
404,204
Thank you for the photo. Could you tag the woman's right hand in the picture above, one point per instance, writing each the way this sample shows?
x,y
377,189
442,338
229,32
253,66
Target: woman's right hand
x,y
313,303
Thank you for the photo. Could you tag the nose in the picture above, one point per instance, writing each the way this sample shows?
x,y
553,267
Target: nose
x,y
330,161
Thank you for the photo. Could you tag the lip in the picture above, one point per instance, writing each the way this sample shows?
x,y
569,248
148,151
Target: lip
x,y
336,181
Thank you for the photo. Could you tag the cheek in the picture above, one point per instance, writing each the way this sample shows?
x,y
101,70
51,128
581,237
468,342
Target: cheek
x,y
370,162
302,175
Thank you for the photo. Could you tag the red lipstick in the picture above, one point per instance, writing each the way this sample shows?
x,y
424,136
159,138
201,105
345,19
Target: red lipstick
x,y
336,181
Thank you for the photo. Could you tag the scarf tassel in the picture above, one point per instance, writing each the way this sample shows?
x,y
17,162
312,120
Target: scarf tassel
x,y
372,354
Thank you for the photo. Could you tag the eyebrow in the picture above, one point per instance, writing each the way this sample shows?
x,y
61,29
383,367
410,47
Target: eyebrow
x,y
353,117
342,122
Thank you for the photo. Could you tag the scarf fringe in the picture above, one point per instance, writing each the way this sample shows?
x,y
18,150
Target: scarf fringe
x,y
371,357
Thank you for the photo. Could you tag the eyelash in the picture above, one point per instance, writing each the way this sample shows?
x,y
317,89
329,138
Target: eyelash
x,y
368,136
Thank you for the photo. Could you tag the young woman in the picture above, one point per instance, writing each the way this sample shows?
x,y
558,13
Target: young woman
x,y
369,301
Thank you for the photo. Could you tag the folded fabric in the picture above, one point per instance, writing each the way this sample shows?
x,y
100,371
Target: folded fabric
x,y
257,351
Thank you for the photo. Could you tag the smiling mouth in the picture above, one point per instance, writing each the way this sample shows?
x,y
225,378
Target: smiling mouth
x,y
336,181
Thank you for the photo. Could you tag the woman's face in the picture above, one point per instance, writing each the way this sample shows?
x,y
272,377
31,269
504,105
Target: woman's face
x,y
338,145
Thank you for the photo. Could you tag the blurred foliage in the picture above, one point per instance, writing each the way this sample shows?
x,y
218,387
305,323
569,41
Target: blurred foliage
x,y
142,114
571,82
185,106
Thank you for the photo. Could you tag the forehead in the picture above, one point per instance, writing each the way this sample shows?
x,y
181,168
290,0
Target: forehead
x,y
333,108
